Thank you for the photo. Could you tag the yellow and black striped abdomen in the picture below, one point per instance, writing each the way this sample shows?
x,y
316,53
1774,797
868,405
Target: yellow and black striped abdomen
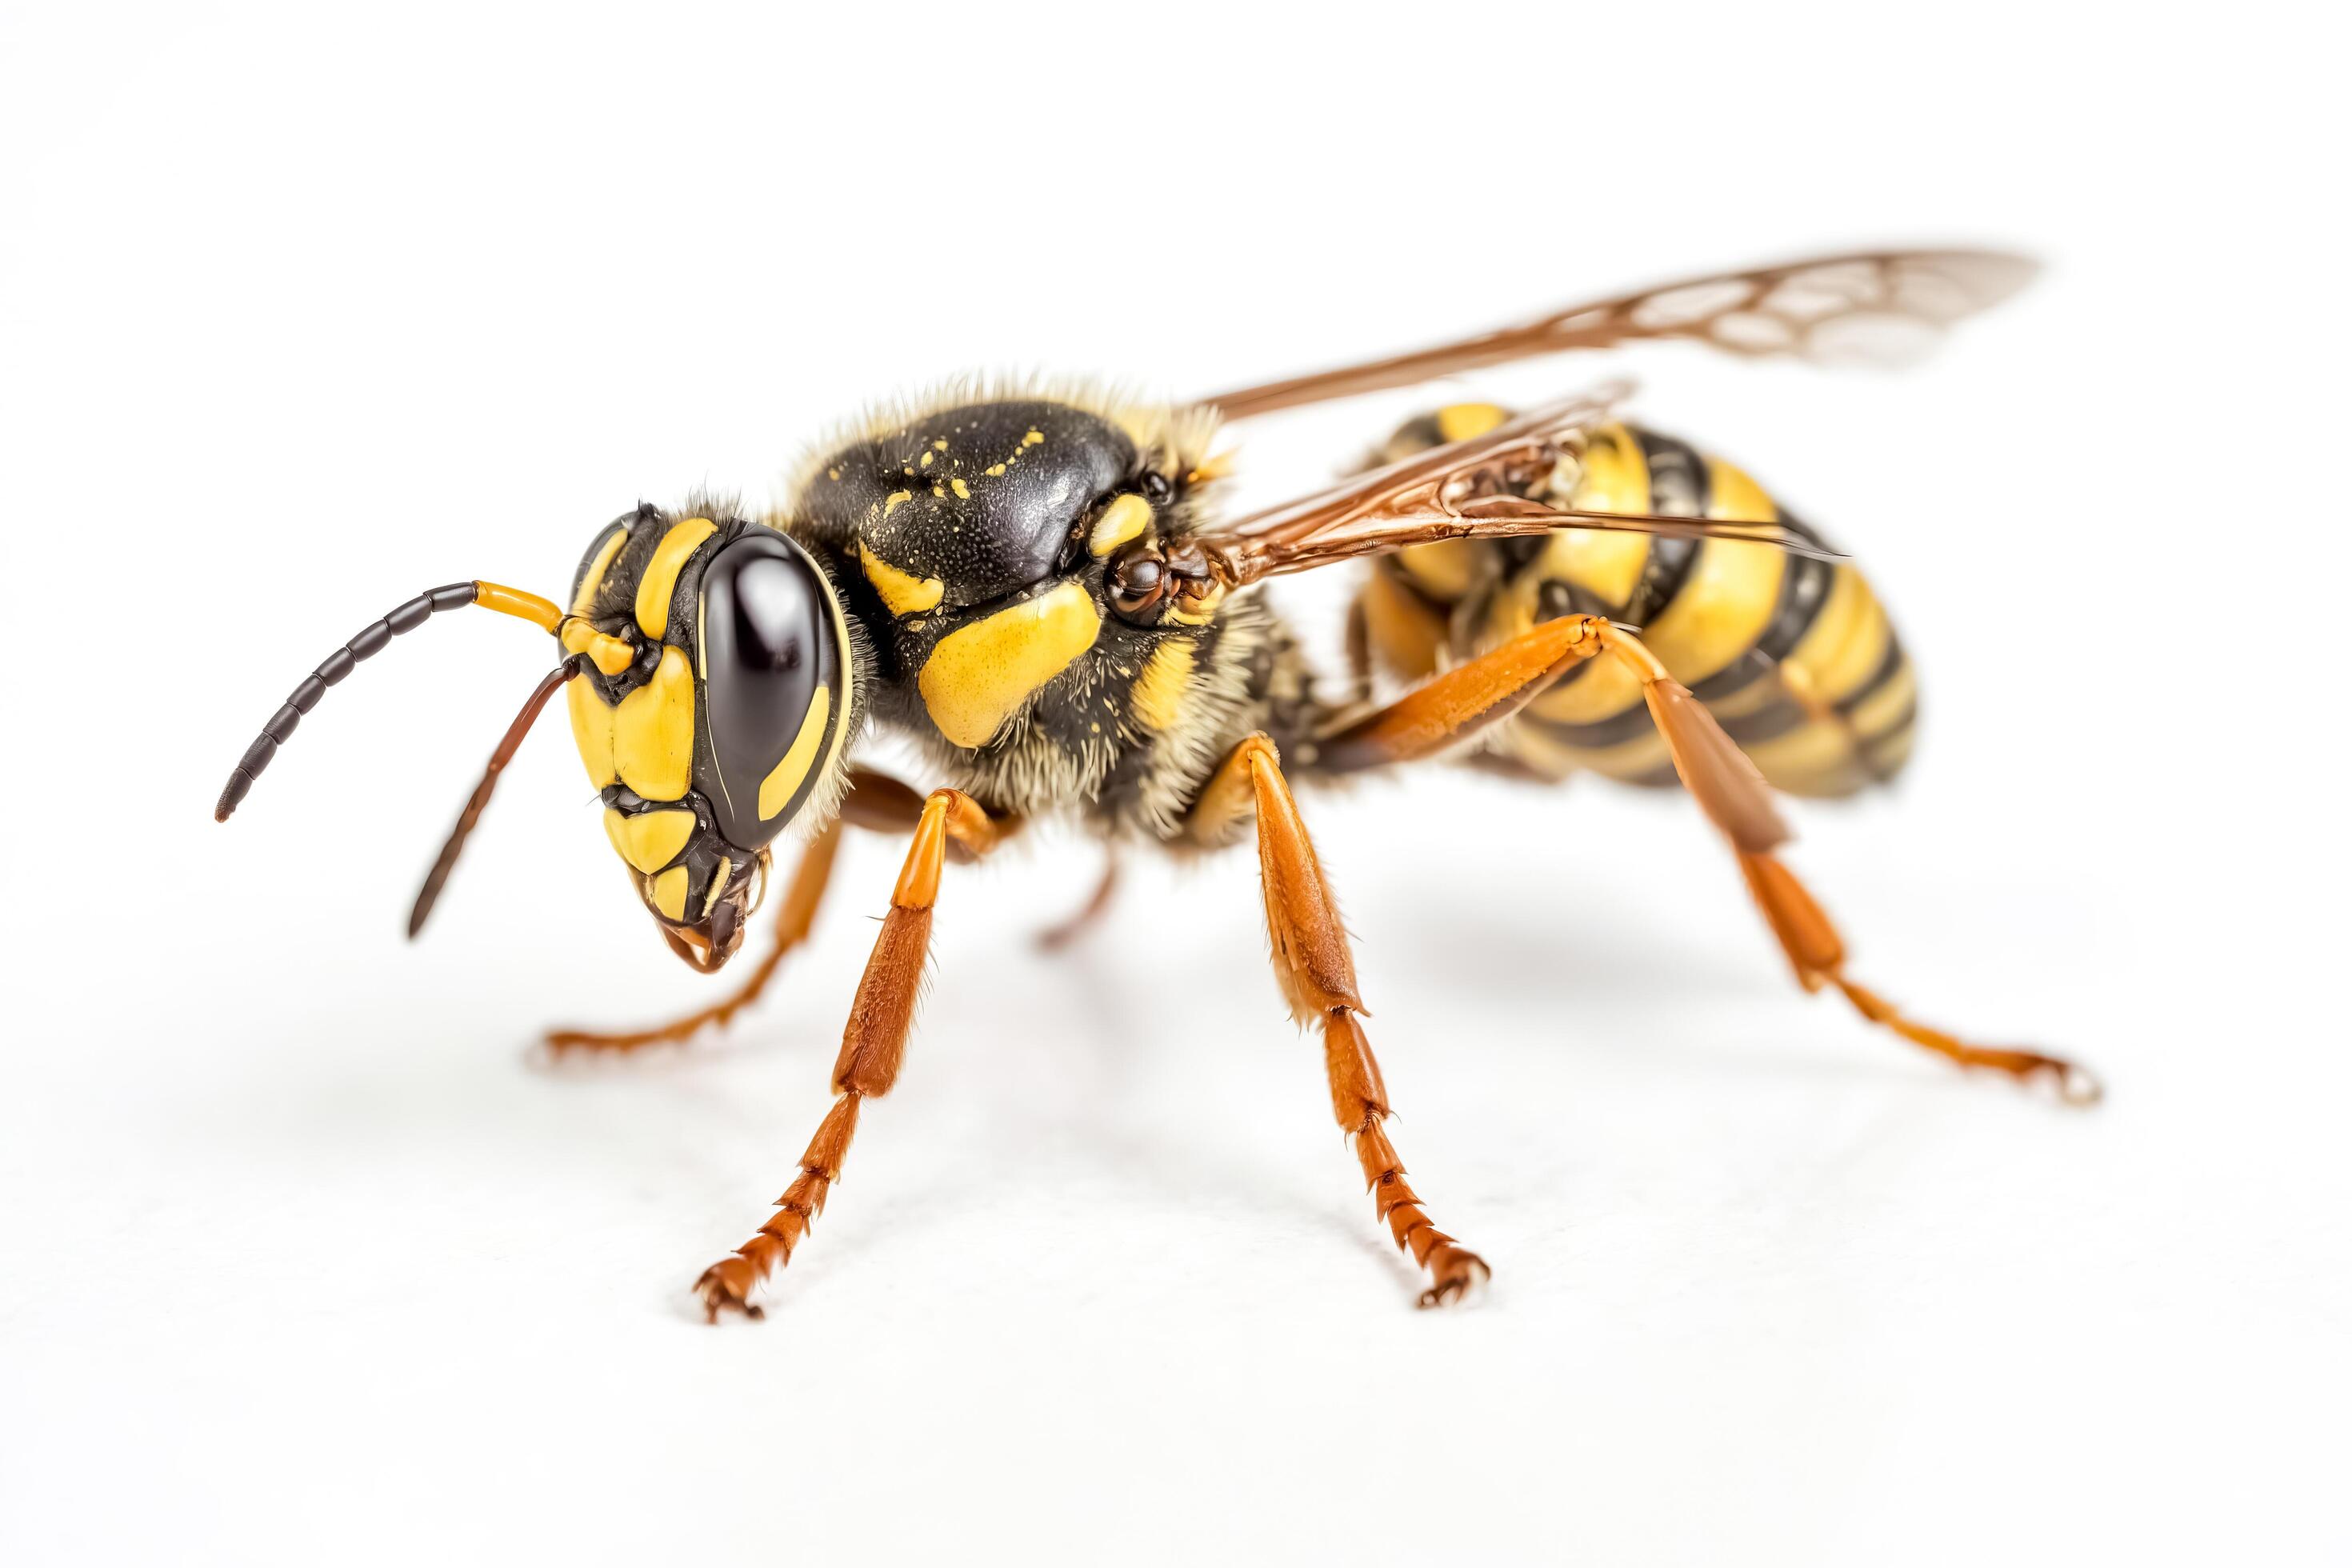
x,y
1795,657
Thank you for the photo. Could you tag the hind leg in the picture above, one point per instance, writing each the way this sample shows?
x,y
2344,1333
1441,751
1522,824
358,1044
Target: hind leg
x,y
1464,700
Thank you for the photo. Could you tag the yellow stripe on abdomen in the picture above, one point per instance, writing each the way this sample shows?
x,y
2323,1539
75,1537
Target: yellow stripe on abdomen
x,y
1728,598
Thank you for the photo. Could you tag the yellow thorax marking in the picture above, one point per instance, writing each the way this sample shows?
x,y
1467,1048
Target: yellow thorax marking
x,y
1160,690
979,676
1468,421
583,600
1121,521
646,742
903,592
660,581
650,839
777,789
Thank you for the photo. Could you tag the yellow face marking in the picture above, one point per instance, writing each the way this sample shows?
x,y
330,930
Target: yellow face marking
x,y
895,500
1468,421
777,789
1160,690
592,728
669,892
979,676
651,839
647,742
660,581
596,569
903,592
1121,521
717,885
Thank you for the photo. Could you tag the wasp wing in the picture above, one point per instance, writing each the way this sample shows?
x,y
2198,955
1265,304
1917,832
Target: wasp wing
x,y
1879,306
1465,491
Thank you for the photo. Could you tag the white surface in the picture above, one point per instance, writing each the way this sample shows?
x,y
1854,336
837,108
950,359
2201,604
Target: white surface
x,y
305,1261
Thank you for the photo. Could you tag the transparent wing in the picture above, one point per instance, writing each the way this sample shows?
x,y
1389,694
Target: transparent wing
x,y
1873,307
1466,491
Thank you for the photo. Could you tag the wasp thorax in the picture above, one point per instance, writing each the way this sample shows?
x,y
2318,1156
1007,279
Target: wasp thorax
x,y
966,505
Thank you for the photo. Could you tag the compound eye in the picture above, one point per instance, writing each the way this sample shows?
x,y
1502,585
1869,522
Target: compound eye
x,y
775,695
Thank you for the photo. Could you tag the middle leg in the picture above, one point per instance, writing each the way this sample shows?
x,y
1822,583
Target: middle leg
x,y
1317,975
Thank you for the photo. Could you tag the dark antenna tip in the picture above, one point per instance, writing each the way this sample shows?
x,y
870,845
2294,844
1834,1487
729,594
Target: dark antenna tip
x,y
509,744
370,642
232,794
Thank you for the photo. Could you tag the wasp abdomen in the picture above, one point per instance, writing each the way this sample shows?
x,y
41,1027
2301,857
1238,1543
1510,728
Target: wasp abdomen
x,y
1795,657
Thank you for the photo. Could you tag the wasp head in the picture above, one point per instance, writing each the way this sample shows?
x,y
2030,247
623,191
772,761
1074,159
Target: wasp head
x,y
731,722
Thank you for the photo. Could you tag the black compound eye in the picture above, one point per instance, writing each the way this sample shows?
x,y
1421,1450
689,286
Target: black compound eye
x,y
1155,486
774,683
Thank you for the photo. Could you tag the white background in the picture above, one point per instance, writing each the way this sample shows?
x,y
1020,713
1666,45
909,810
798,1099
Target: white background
x,y
302,1258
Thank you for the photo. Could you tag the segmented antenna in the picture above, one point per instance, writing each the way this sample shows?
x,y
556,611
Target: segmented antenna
x,y
508,747
367,644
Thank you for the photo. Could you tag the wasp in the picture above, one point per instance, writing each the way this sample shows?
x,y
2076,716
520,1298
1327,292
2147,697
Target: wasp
x,y
1037,584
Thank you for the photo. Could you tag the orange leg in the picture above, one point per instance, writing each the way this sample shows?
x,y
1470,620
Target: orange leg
x,y
872,1046
1317,975
1728,789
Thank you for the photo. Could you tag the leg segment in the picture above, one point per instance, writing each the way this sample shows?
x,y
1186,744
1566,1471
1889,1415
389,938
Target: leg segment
x,y
1727,786
871,1047
1318,974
